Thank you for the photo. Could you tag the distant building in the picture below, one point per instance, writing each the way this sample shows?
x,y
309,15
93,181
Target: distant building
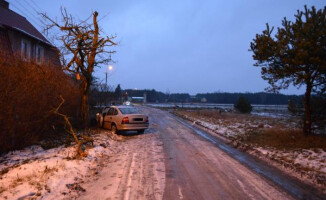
x,y
145,97
142,99
19,37
137,99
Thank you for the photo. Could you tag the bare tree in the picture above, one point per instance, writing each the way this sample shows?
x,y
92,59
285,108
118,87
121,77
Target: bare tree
x,y
83,48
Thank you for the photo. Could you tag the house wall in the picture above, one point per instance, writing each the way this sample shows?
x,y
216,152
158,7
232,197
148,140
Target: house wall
x,y
5,48
50,55
15,41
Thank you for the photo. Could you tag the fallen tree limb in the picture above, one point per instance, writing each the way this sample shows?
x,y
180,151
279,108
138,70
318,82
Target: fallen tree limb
x,y
79,151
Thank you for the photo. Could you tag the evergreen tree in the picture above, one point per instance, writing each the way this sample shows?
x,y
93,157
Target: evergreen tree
x,y
118,93
296,55
243,105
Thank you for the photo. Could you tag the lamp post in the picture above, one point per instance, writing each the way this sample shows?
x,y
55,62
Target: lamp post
x,y
110,68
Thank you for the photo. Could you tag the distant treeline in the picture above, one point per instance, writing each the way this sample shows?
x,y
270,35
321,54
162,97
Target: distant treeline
x,y
254,98
154,96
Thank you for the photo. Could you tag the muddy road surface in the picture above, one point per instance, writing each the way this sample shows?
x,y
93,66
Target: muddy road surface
x,y
171,161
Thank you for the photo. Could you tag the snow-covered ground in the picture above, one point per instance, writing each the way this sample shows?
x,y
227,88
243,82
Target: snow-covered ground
x,y
276,111
116,166
232,125
49,174
306,164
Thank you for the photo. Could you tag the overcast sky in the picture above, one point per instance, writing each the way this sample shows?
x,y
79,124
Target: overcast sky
x,y
179,45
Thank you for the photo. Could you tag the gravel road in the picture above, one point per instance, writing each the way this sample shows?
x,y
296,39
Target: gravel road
x,y
171,161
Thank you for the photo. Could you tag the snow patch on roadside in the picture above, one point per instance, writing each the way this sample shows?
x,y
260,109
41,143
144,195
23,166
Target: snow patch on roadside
x,y
229,131
50,174
314,160
305,164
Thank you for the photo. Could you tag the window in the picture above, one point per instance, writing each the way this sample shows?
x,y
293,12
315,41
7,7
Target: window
x,y
26,49
105,111
129,111
115,112
39,54
111,111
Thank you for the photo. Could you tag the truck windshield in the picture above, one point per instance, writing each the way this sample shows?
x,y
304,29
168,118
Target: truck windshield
x,y
129,111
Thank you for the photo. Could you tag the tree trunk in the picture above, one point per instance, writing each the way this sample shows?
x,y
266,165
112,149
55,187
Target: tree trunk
x,y
84,107
307,116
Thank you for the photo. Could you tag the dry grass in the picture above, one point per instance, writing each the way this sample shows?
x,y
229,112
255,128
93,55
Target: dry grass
x,y
237,124
261,131
37,178
281,138
215,116
16,182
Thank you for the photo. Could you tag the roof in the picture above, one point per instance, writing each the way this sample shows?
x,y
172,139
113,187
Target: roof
x,y
11,19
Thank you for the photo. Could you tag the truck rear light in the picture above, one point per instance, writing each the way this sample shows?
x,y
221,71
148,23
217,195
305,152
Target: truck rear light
x,y
147,120
125,120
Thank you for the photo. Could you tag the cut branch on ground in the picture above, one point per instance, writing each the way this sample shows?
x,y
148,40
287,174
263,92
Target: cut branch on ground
x,y
69,128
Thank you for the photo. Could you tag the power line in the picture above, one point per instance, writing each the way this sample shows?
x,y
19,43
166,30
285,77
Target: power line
x,y
35,22
38,13
27,13
35,4
31,7
22,12
28,10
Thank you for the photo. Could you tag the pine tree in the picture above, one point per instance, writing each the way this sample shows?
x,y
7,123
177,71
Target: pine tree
x,y
243,105
118,93
295,55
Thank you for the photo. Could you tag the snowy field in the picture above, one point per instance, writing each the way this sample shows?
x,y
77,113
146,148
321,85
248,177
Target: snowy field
x,y
277,111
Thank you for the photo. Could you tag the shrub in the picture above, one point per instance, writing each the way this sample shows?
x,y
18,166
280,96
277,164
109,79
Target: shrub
x,y
292,107
243,105
28,92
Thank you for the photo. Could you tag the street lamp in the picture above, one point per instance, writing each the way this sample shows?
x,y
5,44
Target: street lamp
x,y
110,68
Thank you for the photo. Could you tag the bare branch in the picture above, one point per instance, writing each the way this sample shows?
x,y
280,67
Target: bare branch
x,y
83,49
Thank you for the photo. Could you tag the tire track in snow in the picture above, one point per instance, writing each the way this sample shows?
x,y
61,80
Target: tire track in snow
x,y
131,171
